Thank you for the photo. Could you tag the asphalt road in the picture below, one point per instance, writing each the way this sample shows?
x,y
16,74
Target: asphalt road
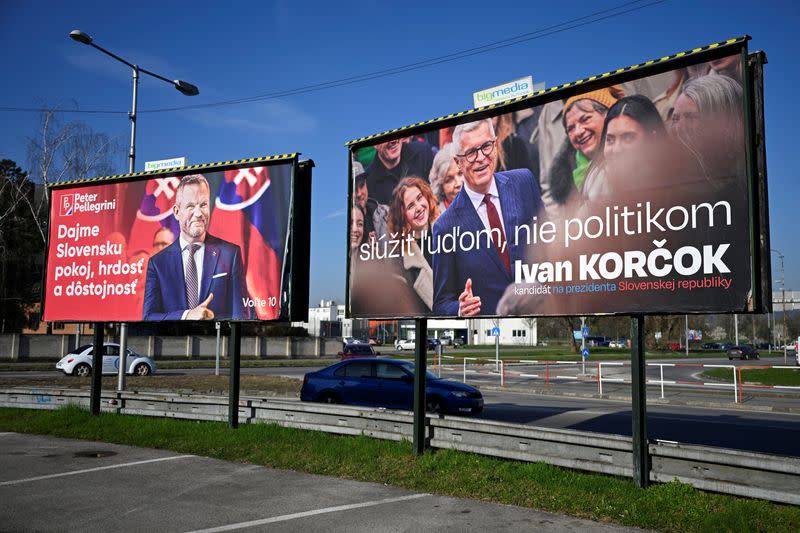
x,y
52,484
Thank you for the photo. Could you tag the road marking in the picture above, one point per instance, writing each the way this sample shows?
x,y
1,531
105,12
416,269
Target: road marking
x,y
304,514
4,433
87,470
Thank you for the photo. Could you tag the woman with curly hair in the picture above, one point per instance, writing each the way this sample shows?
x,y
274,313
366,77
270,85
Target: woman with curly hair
x,y
412,212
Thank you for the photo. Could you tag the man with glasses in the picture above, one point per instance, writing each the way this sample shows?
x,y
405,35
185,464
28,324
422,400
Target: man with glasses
x,y
490,205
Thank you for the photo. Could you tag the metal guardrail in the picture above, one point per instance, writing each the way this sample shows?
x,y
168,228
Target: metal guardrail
x,y
754,475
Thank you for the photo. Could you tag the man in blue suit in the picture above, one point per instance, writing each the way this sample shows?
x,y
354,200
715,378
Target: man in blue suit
x,y
471,282
199,276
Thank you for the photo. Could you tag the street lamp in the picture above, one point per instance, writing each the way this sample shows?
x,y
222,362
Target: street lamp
x,y
184,87
783,297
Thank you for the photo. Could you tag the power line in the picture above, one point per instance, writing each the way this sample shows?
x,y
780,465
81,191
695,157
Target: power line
x,y
574,23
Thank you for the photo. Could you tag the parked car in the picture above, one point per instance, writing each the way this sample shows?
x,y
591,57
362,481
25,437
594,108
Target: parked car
x,y
387,383
374,341
458,342
433,343
743,351
446,340
78,362
405,344
619,343
676,346
357,350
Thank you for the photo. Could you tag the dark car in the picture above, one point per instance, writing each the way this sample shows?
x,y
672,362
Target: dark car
x,y
433,343
387,383
357,350
711,346
744,351
458,342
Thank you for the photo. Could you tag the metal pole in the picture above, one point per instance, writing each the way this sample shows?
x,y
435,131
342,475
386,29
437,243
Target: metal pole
x,y
687,334
97,369
496,348
234,355
583,342
219,346
783,297
641,452
736,329
123,353
420,364
77,335
123,327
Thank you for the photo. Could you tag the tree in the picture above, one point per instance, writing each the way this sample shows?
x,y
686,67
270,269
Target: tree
x,y
67,151
20,253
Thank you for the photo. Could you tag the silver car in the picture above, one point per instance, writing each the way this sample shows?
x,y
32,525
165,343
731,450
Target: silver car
x,y
78,362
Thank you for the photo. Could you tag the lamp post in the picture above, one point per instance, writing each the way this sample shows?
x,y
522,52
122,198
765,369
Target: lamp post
x,y
184,87
783,297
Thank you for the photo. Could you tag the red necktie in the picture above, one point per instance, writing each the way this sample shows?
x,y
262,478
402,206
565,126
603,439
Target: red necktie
x,y
497,228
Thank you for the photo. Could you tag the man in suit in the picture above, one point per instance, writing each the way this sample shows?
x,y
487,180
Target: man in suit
x,y
199,276
471,282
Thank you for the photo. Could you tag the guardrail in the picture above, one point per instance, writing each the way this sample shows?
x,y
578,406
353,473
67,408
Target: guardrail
x,y
769,477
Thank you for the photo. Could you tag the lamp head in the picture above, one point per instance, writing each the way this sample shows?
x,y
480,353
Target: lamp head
x,y
78,35
186,88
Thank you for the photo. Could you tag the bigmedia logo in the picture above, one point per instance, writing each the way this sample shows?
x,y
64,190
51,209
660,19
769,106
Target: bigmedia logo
x,y
501,93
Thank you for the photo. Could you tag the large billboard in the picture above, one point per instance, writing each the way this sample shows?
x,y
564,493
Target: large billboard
x,y
208,242
630,192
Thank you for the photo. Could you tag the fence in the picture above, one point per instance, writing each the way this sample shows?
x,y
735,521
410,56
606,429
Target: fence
x,y
597,373
727,471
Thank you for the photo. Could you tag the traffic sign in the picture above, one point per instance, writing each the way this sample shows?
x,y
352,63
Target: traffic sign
x,y
495,331
585,353
585,331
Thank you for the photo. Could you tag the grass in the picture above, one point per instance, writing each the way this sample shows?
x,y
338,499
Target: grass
x,y
209,384
671,507
759,376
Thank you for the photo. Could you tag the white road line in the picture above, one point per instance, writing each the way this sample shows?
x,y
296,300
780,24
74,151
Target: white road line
x,y
87,470
304,514
3,433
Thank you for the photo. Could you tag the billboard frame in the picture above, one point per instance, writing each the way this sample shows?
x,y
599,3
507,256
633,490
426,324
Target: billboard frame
x,y
300,180
761,297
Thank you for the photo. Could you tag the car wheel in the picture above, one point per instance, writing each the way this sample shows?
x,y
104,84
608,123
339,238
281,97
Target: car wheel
x,y
399,348
328,397
81,370
434,405
141,370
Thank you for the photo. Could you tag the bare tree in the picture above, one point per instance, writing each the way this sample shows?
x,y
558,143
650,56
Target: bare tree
x,y
61,151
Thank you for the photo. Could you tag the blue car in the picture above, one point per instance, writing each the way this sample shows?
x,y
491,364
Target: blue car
x,y
387,383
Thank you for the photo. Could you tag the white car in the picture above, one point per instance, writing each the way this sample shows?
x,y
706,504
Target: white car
x,y
78,362
406,344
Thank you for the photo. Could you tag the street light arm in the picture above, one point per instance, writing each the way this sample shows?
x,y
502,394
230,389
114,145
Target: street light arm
x,y
111,54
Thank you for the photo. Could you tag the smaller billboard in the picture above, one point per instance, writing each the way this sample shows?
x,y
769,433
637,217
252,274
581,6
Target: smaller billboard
x,y
210,242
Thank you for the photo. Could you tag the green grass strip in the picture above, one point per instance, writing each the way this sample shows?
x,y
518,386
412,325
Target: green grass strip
x,y
671,507
787,377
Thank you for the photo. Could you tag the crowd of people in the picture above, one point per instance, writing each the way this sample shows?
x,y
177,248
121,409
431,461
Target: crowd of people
x,y
672,136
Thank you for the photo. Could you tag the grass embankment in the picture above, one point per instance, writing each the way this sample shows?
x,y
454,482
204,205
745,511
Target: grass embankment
x,y
786,377
671,507
249,385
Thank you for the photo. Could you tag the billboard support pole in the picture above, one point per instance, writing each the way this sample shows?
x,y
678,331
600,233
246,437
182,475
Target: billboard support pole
x,y
420,369
97,368
641,451
234,355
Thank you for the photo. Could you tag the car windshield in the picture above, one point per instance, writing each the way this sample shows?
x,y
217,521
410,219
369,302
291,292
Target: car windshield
x,y
410,367
360,349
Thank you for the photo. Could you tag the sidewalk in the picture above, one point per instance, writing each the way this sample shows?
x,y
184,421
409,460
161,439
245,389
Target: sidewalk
x,y
49,484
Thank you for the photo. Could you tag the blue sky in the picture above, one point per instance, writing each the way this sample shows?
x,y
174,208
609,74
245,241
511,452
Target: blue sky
x,y
242,49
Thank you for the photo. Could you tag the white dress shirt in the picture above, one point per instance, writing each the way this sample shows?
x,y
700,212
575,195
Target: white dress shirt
x,y
477,202
198,261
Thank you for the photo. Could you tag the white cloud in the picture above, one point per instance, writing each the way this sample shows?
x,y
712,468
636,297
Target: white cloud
x,y
272,116
335,214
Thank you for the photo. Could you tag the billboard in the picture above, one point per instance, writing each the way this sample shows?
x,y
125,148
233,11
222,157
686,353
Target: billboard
x,y
629,192
209,242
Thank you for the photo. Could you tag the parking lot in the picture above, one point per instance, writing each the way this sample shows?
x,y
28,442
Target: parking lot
x,y
52,484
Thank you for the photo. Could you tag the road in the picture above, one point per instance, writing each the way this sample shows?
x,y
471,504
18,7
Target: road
x,y
696,415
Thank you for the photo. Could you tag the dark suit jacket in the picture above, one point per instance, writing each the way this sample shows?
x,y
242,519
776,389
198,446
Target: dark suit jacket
x,y
520,201
165,288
